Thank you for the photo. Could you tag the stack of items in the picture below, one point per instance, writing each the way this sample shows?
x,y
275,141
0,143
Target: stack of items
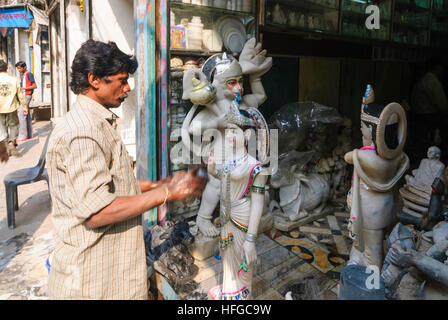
x,y
416,193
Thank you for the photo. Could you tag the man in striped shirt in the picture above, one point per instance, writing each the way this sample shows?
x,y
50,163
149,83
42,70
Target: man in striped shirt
x,y
96,200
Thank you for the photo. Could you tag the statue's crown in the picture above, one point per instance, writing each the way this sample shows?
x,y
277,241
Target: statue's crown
x,y
368,98
221,64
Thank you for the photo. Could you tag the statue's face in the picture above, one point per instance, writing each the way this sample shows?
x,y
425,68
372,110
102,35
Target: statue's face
x,y
235,85
433,153
366,134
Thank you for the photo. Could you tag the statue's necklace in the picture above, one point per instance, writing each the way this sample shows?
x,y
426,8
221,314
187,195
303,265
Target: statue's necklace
x,y
227,169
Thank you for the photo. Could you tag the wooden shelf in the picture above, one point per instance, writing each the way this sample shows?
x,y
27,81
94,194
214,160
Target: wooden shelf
x,y
359,16
407,25
190,52
184,7
310,6
280,28
410,5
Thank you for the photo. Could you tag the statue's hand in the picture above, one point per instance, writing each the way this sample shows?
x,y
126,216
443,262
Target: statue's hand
x,y
402,257
250,252
253,60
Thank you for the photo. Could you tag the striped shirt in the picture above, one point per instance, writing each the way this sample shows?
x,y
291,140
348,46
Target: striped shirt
x,y
89,167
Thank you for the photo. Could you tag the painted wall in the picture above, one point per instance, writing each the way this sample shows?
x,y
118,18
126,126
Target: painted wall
x,y
75,35
113,20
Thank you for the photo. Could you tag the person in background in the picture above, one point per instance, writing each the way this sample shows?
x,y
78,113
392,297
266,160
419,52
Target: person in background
x,y
11,98
429,108
28,85
3,151
97,202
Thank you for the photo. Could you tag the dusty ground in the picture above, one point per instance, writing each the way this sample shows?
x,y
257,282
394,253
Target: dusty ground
x,y
23,250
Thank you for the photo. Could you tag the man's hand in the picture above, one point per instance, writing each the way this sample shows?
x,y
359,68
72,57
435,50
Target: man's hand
x,y
25,112
185,184
146,185
3,152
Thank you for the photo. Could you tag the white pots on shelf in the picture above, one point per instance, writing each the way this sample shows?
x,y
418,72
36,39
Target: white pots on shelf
x,y
194,33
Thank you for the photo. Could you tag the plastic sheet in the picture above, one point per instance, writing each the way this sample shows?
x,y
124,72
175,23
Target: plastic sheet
x,y
295,121
289,163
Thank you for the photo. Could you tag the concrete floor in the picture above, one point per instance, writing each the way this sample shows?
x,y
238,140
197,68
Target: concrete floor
x,y
23,250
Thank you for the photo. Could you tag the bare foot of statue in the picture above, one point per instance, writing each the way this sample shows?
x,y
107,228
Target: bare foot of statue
x,y
206,227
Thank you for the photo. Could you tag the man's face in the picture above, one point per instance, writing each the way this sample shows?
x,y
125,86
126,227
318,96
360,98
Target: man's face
x,y
112,90
21,69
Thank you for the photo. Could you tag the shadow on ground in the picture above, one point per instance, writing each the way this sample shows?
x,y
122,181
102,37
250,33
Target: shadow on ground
x,y
29,218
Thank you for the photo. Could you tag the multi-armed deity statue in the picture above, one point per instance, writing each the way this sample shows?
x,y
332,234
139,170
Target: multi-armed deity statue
x,y
378,166
235,180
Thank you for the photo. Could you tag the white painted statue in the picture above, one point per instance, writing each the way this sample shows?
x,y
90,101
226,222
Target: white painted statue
x,y
241,207
221,81
377,168
303,195
429,169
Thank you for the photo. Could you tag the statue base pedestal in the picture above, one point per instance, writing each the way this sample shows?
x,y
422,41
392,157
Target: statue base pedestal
x,y
282,223
204,247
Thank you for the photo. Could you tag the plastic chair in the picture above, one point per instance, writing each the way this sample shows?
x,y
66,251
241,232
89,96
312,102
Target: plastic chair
x,y
20,177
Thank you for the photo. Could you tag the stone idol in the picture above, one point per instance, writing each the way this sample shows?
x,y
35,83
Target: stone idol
x,y
378,166
235,181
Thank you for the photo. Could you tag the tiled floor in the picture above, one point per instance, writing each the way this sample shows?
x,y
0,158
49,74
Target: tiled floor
x,y
318,251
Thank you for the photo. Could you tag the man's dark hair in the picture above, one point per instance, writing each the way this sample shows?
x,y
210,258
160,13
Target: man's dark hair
x,y
21,64
3,66
101,59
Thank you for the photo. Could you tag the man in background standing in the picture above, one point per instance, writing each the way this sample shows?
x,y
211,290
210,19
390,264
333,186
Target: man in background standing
x,y
28,85
11,98
429,106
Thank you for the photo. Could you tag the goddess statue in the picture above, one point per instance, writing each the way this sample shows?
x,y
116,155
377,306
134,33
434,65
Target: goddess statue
x,y
241,205
377,168
223,76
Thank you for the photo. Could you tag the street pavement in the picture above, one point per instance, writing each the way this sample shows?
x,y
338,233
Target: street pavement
x,y
24,250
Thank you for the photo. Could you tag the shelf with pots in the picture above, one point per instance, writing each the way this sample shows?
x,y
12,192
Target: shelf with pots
x,y
411,22
320,16
198,30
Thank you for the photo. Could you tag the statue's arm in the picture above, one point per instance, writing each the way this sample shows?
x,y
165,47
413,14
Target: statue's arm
x,y
432,268
348,157
256,210
206,121
257,204
258,95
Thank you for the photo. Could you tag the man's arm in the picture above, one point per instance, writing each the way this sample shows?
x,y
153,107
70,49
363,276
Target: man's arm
x,y
3,141
33,82
3,152
124,208
89,176
180,186
146,185
21,97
